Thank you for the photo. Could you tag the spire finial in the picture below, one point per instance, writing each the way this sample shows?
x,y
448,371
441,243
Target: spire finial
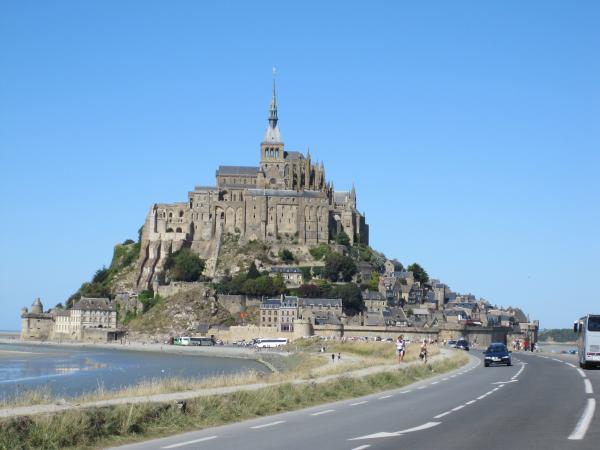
x,y
273,108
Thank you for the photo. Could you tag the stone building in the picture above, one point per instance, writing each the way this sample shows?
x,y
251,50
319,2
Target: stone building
x,y
292,275
90,319
281,313
287,193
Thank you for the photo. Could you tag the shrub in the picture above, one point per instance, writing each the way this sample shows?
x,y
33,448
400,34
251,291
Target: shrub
x,y
286,256
339,267
320,252
184,265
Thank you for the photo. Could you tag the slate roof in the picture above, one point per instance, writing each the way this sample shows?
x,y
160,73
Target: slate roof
x,y
341,197
335,302
285,269
293,155
93,304
237,170
284,193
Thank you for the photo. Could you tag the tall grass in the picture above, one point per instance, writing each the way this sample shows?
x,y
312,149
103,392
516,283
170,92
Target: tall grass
x,y
99,427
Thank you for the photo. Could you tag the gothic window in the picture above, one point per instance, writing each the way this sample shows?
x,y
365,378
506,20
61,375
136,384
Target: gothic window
x,y
178,230
169,230
272,153
266,152
170,214
277,153
180,213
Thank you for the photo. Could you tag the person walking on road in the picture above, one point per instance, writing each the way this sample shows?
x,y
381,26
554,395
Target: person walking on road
x,y
333,357
400,348
423,353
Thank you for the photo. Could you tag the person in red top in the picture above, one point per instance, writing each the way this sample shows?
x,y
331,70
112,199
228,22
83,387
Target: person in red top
x,y
525,345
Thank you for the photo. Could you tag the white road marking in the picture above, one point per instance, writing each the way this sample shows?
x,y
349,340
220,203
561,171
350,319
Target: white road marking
x,y
359,403
362,447
557,360
572,365
257,427
444,379
327,411
504,382
481,397
588,386
470,402
439,416
181,444
385,396
383,434
458,407
582,373
584,421
435,382
422,387
405,392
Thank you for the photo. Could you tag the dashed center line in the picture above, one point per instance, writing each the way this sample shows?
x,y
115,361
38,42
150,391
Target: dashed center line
x,y
422,387
362,447
359,403
182,444
257,427
435,382
385,396
327,411
458,407
470,402
439,416
582,373
588,386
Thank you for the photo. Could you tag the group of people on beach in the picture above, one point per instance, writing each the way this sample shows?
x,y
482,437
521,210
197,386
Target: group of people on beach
x,y
401,349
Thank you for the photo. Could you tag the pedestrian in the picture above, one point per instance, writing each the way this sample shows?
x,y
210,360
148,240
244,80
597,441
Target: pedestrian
x,y
333,357
423,353
339,356
400,348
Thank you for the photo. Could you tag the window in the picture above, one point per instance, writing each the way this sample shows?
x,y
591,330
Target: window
x,y
277,154
272,153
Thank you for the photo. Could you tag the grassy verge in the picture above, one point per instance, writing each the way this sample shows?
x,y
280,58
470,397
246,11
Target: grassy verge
x,y
101,427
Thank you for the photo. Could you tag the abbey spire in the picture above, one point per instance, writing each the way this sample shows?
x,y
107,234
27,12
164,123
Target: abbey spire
x,y
272,135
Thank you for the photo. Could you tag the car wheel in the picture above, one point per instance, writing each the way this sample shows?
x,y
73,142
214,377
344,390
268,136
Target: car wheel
x,y
486,364
509,363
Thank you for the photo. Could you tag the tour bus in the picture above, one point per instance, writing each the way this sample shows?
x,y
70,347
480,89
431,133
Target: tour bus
x,y
271,342
199,341
588,340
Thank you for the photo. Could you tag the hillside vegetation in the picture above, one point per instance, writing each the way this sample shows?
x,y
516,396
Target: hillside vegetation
x,y
557,335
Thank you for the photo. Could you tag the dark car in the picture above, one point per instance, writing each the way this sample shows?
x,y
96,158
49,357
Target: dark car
x,y
463,344
497,354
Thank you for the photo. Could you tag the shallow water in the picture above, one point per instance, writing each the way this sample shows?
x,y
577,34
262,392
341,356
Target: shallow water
x,y
74,371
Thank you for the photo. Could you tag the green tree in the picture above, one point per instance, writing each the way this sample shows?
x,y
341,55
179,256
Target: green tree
x,y
419,273
101,275
342,238
351,295
306,273
286,256
320,251
373,284
339,267
253,271
184,265
309,291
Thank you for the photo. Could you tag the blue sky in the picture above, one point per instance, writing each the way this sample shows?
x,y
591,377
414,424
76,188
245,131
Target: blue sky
x,y
471,131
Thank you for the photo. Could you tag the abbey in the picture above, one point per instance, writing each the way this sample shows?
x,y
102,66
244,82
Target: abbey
x,y
286,194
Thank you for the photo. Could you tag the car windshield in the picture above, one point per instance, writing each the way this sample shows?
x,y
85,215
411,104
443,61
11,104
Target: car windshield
x,y
496,348
594,323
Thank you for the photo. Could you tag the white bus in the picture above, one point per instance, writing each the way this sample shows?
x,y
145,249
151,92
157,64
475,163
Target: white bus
x,y
199,341
271,342
588,340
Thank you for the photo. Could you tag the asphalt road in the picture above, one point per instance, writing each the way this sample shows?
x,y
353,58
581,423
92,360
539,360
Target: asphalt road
x,y
541,402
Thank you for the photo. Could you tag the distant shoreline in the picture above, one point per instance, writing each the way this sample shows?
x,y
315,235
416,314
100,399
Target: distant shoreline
x,y
217,351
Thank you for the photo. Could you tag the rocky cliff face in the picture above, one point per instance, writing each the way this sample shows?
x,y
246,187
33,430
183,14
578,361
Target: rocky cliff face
x,y
182,313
